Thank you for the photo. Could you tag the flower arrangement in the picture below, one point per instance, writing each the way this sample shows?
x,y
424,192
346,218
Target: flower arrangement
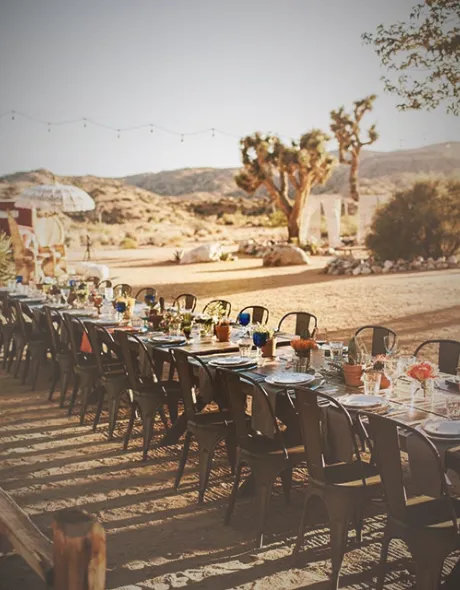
x,y
423,372
303,346
261,329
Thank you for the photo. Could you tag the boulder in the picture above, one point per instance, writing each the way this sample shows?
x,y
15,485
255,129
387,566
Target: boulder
x,y
204,253
376,269
452,261
388,264
285,255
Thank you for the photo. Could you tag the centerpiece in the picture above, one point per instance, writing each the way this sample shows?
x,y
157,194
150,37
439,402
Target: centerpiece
x,y
302,348
378,364
223,330
423,375
352,371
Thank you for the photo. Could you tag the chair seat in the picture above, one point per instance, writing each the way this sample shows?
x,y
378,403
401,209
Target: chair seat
x,y
432,513
215,419
351,475
264,446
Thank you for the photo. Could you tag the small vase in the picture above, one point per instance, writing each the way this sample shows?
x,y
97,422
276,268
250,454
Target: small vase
x,y
269,348
353,375
302,363
223,333
385,383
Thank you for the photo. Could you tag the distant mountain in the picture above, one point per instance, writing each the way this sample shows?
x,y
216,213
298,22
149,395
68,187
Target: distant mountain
x,y
382,170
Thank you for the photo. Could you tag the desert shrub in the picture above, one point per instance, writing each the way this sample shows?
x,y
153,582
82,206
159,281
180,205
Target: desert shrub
x,y
421,221
277,219
349,225
7,268
128,243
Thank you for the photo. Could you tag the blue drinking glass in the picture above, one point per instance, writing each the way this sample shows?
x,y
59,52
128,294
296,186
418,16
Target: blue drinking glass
x,y
149,299
120,306
259,339
245,318
19,279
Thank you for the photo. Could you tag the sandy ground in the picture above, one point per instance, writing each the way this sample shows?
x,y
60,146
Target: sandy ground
x,y
417,305
159,538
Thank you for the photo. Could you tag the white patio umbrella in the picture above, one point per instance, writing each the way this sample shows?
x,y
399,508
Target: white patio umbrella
x,y
56,198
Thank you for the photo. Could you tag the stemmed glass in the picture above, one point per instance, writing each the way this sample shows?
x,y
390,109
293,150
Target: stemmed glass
x,y
244,320
391,370
390,341
98,300
65,292
120,308
259,339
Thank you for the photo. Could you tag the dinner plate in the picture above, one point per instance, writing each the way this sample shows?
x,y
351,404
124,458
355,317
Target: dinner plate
x,y
442,428
453,382
359,401
166,339
290,378
234,361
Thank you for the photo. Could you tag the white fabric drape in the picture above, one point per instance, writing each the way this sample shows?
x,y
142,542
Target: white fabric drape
x,y
310,227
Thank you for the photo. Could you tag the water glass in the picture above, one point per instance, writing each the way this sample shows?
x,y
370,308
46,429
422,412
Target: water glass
x,y
404,362
336,351
371,381
453,407
317,359
390,341
391,369
108,293
195,333
245,347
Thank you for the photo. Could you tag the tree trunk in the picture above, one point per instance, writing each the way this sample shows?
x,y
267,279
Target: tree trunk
x,y
293,227
354,188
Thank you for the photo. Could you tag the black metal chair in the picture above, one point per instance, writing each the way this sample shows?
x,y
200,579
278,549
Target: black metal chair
x,y
267,457
218,306
303,319
209,427
427,522
7,326
186,300
376,337
258,313
337,476
148,393
448,354
112,378
122,290
61,355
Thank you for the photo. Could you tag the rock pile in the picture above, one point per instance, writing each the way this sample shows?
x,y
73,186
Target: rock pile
x,y
348,265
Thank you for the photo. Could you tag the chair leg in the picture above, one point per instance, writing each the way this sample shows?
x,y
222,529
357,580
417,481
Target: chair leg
x,y
339,533
183,459
86,392
428,574
66,377
206,454
54,381
100,403
27,363
230,445
17,364
129,430
263,494
301,533
233,495
147,423
163,418
383,560
35,373
11,354
114,404
286,481
73,397
173,410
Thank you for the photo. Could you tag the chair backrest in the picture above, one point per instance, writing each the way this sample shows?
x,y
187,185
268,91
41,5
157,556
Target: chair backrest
x,y
259,314
128,357
385,434
123,289
303,320
218,305
75,330
185,362
146,362
146,291
4,308
104,284
106,351
327,431
95,280
377,335
22,311
448,354
54,326
237,401
186,300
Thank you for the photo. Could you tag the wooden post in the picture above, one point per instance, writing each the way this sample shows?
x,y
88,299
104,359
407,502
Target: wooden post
x,y
79,551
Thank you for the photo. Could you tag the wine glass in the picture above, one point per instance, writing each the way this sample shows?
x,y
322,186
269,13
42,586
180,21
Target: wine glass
x,y
259,339
391,370
390,341
65,292
149,299
120,308
244,319
98,300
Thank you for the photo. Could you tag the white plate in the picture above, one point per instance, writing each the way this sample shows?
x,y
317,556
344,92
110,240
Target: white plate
x,y
361,401
442,428
290,378
168,339
230,361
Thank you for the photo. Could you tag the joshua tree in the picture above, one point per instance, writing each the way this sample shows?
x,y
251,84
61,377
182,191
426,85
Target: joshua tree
x,y
346,129
288,173
424,53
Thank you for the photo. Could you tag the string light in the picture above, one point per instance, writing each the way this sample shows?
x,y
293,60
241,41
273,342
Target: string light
x,y
182,138
84,122
118,133
151,128
12,115
49,127
213,134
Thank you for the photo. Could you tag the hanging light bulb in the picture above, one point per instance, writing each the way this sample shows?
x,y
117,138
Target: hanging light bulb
x,y
213,134
118,134
49,127
84,122
182,138
151,128
12,115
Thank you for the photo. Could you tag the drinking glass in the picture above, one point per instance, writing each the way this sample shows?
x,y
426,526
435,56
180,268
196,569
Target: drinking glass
x,y
259,339
65,292
195,333
453,407
336,351
244,319
371,381
404,362
391,369
120,308
245,346
390,341
108,293
149,299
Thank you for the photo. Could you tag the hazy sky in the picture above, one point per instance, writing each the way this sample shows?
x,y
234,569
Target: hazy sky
x,y
188,65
